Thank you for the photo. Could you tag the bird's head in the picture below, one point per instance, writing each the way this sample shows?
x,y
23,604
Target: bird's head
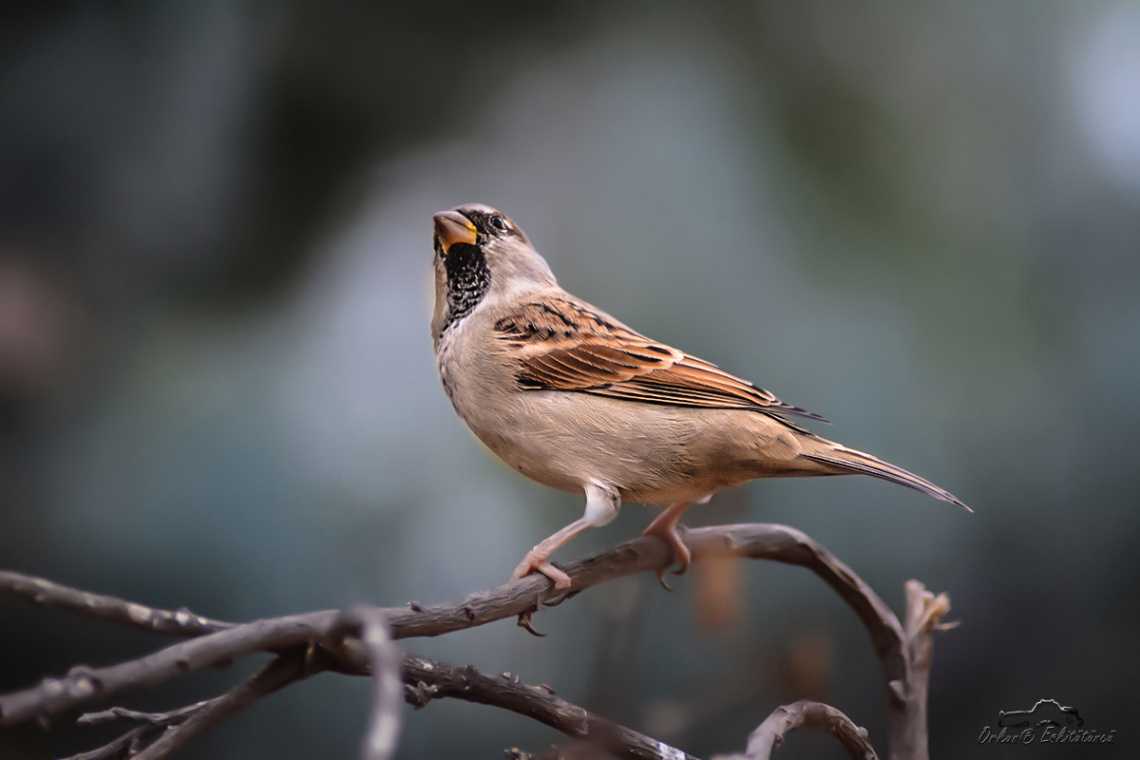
x,y
481,256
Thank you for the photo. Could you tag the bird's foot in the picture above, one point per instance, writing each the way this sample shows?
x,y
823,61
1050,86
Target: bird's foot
x,y
667,531
536,561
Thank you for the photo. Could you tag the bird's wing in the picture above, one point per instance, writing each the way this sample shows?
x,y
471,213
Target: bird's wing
x,y
568,346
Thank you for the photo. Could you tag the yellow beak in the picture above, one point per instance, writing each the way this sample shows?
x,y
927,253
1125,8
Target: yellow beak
x,y
451,227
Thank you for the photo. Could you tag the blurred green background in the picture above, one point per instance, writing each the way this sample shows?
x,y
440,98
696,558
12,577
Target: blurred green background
x,y
217,387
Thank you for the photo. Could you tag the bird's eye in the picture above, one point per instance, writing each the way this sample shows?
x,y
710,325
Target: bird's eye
x,y
499,223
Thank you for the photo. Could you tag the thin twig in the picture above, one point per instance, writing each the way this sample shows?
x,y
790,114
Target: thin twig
x,y
428,679
130,743
153,718
122,747
162,734
769,735
554,753
46,593
282,671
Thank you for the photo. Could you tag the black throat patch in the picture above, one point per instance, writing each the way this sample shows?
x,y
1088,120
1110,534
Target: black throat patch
x,y
467,280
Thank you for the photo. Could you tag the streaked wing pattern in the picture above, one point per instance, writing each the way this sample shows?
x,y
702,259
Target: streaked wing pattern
x,y
567,346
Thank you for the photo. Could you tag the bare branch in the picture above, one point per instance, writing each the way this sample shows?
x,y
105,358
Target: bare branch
x,y
45,593
162,719
770,734
383,734
793,547
282,671
429,679
176,727
906,710
904,655
758,541
83,685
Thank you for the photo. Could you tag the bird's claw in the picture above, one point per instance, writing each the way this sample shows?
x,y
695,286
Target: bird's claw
x,y
555,601
535,562
681,553
526,620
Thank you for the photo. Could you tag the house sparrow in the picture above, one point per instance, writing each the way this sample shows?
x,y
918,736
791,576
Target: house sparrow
x,y
571,397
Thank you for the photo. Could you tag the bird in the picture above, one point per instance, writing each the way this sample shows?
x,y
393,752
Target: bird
x,y
574,399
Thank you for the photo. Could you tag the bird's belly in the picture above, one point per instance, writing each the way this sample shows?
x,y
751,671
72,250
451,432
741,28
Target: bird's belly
x,y
651,453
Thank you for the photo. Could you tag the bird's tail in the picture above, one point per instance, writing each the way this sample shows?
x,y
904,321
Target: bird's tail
x,y
852,461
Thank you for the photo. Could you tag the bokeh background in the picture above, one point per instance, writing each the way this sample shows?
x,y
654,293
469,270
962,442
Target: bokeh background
x,y
217,387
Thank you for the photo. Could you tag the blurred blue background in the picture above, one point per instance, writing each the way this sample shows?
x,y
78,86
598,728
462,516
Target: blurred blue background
x,y
217,387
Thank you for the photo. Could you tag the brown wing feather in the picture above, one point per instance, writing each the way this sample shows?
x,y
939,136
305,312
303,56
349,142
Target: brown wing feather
x,y
562,345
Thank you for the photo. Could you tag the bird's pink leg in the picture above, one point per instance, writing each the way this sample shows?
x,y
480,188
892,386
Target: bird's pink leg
x,y
665,527
535,559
